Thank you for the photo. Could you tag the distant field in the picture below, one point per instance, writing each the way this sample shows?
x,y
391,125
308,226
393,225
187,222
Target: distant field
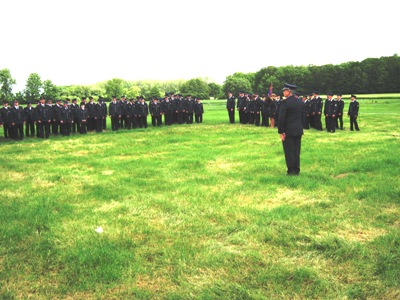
x,y
203,211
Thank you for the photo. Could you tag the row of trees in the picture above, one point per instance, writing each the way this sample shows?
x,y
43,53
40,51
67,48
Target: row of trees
x,y
370,76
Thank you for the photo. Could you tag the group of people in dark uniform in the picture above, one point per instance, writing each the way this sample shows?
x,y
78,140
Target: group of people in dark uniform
x,y
264,110
66,117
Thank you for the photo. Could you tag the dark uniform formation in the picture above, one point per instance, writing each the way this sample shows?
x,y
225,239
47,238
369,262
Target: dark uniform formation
x,y
251,108
65,118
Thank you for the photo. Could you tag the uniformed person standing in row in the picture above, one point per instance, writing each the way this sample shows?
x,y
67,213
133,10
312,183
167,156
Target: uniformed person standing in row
x,y
142,112
339,116
168,110
353,113
155,112
82,119
103,112
114,112
66,119
198,111
316,110
43,119
90,108
230,107
6,116
17,121
241,107
74,109
330,112
29,120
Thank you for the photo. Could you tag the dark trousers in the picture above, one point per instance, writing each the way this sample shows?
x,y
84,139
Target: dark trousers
x,y
317,122
44,130
306,122
99,124
311,119
114,123
291,147
156,120
55,126
83,128
189,119
353,123
65,129
339,121
330,124
264,119
7,131
257,119
231,113
18,132
122,121
168,118
75,126
30,128
199,118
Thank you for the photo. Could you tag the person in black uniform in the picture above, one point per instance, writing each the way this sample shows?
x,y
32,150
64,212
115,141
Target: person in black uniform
x,y
155,112
230,107
142,111
330,112
82,119
43,119
168,110
74,109
6,116
198,111
339,116
29,120
103,112
91,121
353,113
317,106
241,103
123,104
307,111
114,111
290,128
17,121
66,119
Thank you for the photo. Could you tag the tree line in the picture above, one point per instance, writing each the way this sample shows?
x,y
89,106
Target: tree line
x,y
370,76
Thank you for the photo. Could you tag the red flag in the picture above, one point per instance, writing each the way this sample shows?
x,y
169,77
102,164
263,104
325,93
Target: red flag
x,y
270,90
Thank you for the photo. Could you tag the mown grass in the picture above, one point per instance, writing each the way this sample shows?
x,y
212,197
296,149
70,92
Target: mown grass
x,y
203,211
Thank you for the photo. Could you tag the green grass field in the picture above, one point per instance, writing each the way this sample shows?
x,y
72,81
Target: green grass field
x,y
203,211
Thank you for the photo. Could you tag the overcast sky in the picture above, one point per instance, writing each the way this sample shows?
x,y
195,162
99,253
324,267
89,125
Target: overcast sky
x,y
85,41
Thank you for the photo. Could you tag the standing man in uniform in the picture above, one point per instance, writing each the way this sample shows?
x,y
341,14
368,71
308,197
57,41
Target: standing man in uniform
x,y
114,111
29,120
17,121
230,107
353,113
6,116
43,119
290,128
339,116
330,112
317,110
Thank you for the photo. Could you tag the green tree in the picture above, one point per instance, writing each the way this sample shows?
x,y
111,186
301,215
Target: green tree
x,y
236,84
155,91
6,83
196,87
114,87
33,87
133,92
215,89
50,90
